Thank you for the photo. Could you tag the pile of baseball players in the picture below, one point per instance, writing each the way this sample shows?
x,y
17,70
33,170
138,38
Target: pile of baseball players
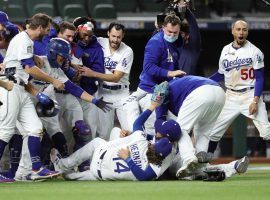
x,y
60,82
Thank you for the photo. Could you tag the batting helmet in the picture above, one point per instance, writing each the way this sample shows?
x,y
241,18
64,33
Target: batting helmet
x,y
50,110
57,46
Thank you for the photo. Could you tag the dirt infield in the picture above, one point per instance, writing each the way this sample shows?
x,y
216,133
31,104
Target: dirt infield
x,y
252,160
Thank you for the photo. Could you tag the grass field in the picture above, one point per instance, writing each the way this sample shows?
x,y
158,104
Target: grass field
x,y
253,185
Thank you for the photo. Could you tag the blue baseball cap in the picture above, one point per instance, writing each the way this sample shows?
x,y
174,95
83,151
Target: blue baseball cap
x,y
169,128
4,18
163,147
12,29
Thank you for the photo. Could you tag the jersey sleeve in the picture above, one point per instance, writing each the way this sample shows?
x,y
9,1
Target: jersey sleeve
x,y
125,63
25,50
258,59
220,63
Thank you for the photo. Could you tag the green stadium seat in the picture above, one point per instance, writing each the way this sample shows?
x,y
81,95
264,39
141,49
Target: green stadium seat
x,y
152,6
92,3
41,6
16,10
70,9
73,11
104,11
126,5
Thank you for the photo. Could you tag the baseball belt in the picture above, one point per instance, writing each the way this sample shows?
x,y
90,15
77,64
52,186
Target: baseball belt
x,y
101,158
242,90
114,87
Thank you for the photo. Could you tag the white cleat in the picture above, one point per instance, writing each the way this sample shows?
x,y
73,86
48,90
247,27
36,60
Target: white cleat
x,y
55,159
187,169
241,165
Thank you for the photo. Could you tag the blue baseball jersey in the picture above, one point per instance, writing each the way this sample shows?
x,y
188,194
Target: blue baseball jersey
x,y
179,89
92,57
160,57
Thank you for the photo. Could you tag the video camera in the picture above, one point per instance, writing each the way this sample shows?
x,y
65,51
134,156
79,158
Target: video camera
x,y
173,8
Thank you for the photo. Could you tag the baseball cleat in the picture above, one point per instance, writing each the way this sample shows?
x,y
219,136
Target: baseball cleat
x,y
187,169
43,173
204,157
4,179
55,158
26,178
241,165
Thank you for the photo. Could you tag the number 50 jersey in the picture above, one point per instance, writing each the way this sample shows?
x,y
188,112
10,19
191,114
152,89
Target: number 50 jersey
x,y
238,65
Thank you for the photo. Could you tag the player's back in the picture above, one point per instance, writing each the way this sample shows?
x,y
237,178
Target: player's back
x,y
113,167
180,88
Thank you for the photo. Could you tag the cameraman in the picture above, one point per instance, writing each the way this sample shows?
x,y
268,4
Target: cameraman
x,y
191,42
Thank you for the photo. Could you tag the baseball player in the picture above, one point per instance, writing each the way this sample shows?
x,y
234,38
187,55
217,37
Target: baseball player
x,y
194,110
118,58
160,64
90,54
241,67
17,104
58,53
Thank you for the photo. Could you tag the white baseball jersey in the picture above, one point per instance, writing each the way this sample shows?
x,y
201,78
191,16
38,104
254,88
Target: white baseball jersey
x,y
238,65
106,165
120,60
114,168
20,47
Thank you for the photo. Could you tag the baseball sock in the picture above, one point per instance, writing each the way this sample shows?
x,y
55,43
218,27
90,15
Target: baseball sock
x,y
15,149
60,143
2,147
212,146
35,150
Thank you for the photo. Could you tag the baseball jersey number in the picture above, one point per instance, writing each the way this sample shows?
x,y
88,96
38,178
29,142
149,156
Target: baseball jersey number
x,y
247,73
119,166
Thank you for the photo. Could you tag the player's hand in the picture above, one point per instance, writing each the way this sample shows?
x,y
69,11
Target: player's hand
x,y
9,85
124,133
2,68
176,73
39,62
253,107
58,85
123,153
85,71
103,105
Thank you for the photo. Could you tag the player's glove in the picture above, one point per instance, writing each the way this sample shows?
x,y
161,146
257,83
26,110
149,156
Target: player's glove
x,y
161,91
103,105
43,98
214,175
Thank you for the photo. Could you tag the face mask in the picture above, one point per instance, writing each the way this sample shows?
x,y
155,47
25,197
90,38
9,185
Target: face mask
x,y
170,39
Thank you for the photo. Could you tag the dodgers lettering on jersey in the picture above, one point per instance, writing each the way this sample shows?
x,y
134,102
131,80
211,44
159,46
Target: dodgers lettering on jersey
x,y
238,65
109,64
